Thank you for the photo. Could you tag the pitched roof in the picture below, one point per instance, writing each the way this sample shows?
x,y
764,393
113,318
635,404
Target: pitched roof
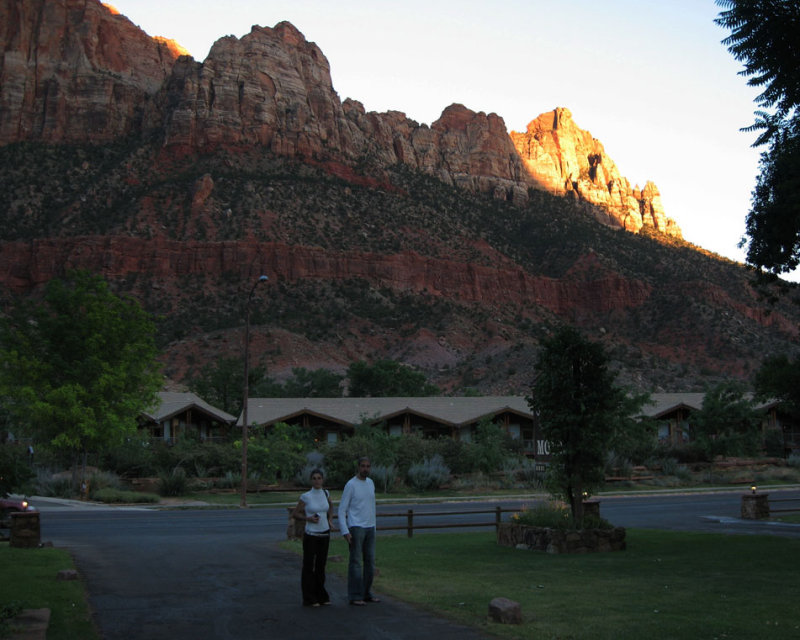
x,y
662,403
171,403
352,411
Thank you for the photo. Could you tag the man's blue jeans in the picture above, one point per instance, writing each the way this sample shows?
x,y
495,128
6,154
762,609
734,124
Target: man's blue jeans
x,y
362,550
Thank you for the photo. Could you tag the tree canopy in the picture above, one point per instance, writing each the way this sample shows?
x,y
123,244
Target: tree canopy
x,y
727,423
579,408
764,36
779,378
80,366
387,378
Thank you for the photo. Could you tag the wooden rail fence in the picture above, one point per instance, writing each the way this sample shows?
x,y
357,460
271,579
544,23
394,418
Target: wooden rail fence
x,y
411,521
795,500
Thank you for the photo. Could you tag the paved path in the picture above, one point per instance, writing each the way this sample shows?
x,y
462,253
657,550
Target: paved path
x,y
147,580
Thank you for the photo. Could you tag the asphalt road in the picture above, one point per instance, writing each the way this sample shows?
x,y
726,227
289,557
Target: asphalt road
x,y
220,574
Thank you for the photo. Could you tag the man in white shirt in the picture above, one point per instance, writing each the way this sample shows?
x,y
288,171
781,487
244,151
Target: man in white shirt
x,y
357,524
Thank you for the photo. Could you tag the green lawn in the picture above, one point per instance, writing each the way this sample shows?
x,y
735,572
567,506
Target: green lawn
x,y
666,585
29,578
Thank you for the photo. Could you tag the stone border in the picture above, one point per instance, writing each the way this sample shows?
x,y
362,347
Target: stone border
x,y
561,541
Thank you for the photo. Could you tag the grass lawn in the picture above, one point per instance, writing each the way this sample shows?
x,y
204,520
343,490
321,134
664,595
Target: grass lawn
x,y
29,578
665,585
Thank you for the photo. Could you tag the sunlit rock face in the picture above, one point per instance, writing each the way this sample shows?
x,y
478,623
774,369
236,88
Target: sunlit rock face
x,y
564,159
75,71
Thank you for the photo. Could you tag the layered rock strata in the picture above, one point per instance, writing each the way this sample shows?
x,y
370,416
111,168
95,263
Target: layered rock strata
x,y
76,71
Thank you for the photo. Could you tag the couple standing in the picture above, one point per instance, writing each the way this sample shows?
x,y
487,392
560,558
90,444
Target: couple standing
x,y
357,524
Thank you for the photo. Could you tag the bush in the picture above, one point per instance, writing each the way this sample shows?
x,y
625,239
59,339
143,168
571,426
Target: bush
x,y
134,458
111,496
101,480
47,485
618,465
14,468
431,473
173,483
314,460
341,457
279,454
794,460
529,475
231,480
773,443
556,515
384,477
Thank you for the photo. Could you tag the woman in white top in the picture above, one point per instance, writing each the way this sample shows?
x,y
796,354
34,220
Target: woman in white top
x,y
314,507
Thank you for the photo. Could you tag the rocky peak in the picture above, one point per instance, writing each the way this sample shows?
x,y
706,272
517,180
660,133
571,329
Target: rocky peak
x,y
75,71
564,159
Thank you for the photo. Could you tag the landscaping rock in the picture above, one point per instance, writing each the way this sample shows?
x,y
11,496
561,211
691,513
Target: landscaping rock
x,y
505,611
30,624
67,574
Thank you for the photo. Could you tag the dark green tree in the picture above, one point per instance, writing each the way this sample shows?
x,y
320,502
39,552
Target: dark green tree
x,y
779,378
221,384
80,366
579,407
319,383
727,424
387,378
764,36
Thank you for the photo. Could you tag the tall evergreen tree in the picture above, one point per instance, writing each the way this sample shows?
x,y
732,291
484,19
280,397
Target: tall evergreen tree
x,y
765,37
579,408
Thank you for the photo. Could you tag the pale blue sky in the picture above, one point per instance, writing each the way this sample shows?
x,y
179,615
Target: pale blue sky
x,y
649,79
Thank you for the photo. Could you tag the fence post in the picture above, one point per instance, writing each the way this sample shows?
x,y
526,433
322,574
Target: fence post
x,y
410,523
498,517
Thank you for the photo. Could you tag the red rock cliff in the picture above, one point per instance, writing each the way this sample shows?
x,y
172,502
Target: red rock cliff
x,y
75,71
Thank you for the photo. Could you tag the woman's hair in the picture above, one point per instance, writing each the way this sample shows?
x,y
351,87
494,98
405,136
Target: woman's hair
x,y
315,472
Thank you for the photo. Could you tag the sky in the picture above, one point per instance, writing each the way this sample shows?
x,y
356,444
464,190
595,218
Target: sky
x,y
649,79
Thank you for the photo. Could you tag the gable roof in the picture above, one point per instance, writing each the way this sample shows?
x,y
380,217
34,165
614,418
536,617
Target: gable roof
x,y
171,403
663,403
454,411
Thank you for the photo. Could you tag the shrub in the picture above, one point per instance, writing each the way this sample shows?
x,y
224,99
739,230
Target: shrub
x,y
134,458
14,468
794,460
109,495
314,460
172,483
618,465
529,475
556,515
48,485
279,454
340,457
230,480
384,477
100,480
773,443
431,473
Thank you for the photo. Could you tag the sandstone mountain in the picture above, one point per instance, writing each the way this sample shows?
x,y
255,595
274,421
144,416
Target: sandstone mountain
x,y
453,247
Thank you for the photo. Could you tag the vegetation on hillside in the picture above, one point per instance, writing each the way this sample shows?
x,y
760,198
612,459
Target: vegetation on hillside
x,y
700,322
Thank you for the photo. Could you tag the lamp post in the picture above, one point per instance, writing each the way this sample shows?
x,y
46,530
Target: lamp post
x,y
243,503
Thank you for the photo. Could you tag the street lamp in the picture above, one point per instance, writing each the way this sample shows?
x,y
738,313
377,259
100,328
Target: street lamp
x,y
243,503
